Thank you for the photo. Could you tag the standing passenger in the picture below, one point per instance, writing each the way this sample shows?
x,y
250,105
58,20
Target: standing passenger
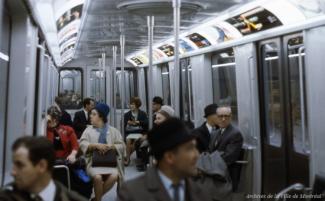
x,y
175,150
101,137
81,118
33,160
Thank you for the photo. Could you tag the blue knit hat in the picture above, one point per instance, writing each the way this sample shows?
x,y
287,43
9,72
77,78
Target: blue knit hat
x,y
102,108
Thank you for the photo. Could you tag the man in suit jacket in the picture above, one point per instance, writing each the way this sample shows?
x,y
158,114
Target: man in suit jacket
x,y
175,150
33,160
205,131
228,141
81,118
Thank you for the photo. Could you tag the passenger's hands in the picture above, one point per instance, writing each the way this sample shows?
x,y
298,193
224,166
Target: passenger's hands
x,y
71,158
103,148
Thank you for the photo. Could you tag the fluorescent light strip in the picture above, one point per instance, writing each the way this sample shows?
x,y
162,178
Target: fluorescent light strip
x,y
165,73
271,58
223,65
4,57
296,55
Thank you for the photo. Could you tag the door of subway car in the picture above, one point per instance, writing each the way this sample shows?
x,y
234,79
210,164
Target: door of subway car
x,y
285,140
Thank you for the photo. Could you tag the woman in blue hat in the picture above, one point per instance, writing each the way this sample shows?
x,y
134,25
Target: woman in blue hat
x,y
100,138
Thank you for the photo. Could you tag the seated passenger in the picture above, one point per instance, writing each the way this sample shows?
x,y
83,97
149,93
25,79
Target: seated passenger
x,y
135,123
63,137
208,128
142,145
65,117
175,150
101,138
81,118
33,160
157,102
228,141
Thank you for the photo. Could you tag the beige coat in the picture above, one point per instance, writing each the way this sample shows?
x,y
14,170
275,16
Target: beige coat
x,y
91,135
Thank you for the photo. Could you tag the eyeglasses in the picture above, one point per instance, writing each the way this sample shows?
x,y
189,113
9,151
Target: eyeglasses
x,y
224,116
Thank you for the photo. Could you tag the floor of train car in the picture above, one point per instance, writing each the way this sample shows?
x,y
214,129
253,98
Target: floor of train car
x,y
130,173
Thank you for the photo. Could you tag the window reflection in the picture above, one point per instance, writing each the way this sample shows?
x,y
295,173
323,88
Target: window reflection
x,y
294,45
224,80
130,86
70,90
98,85
272,102
187,98
165,83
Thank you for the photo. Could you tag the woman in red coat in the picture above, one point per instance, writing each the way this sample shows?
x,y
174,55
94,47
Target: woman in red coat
x,y
63,137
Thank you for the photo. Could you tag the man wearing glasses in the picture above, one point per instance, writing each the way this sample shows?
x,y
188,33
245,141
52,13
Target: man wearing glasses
x,y
228,141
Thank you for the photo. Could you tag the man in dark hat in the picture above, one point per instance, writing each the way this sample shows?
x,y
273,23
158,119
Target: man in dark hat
x,y
209,128
174,148
33,160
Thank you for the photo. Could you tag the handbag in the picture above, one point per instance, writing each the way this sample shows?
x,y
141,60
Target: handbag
x,y
108,159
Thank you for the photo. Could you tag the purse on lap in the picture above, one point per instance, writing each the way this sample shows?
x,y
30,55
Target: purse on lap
x,y
109,159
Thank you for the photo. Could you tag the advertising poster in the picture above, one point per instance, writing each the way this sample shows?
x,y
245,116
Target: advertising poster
x,y
167,49
136,61
225,32
255,20
198,40
184,46
69,16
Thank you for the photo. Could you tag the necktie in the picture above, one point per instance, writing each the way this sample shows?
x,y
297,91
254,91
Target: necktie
x,y
213,137
176,192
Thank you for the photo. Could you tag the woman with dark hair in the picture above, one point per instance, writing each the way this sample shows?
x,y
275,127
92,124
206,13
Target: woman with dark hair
x,y
135,124
63,137
101,138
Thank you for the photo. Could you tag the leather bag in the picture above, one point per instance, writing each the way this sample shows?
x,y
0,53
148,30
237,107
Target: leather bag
x,y
109,159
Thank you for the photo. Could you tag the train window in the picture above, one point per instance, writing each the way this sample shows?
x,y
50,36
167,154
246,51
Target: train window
x,y
296,53
272,103
98,85
130,86
186,90
70,88
165,83
224,81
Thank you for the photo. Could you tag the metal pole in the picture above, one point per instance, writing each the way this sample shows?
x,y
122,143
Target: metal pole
x,y
122,41
176,7
104,73
114,86
150,20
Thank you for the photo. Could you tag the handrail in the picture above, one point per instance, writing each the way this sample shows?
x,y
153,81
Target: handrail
x,y
296,186
302,100
68,173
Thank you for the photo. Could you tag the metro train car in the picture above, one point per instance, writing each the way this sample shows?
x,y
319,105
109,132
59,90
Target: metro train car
x,y
264,59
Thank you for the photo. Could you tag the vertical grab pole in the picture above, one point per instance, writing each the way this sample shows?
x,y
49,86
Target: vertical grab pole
x,y
103,75
176,7
114,86
122,41
150,20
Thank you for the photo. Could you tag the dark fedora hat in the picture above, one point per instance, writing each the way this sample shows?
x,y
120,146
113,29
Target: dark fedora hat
x,y
167,136
210,110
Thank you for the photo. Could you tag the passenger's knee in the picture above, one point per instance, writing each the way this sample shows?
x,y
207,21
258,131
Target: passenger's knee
x,y
114,177
97,178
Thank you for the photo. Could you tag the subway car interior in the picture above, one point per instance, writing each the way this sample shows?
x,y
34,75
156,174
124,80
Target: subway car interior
x,y
264,59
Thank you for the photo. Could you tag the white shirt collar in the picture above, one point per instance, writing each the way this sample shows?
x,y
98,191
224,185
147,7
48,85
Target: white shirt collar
x,y
48,193
86,113
168,186
209,127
